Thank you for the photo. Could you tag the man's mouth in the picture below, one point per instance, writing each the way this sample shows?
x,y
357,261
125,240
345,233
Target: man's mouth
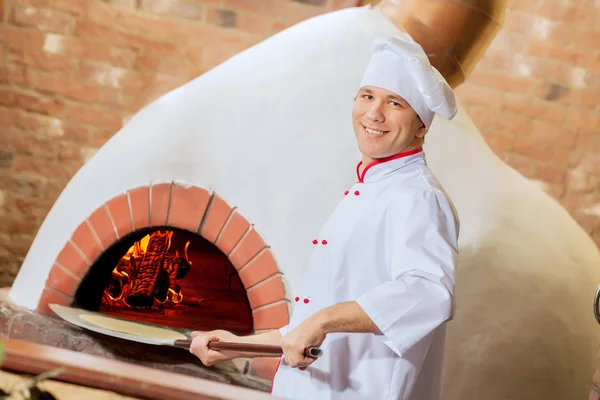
x,y
372,131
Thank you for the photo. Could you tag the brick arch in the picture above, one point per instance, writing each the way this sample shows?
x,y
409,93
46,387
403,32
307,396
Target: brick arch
x,y
180,206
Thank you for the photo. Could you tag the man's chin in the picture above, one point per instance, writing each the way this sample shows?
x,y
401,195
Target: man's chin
x,y
369,157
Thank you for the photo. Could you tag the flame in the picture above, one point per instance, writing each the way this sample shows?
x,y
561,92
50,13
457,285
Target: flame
x,y
185,252
170,235
121,284
173,296
176,297
138,249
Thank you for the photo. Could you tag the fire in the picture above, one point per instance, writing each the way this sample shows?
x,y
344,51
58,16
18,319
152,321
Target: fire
x,y
147,274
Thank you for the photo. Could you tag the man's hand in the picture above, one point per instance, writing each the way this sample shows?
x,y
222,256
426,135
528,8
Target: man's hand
x,y
308,334
347,316
208,356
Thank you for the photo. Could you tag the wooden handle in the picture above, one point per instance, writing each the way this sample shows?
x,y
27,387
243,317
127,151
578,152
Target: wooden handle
x,y
246,347
184,344
264,349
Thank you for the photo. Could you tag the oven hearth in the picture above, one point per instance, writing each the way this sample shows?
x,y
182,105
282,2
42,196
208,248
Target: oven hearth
x,y
17,322
168,277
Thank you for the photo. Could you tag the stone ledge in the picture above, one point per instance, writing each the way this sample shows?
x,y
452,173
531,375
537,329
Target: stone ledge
x,y
20,323
117,376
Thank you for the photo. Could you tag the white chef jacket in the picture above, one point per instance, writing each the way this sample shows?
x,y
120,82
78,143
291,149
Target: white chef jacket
x,y
391,246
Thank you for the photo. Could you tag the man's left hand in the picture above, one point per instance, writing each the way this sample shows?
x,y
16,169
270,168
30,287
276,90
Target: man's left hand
x,y
308,334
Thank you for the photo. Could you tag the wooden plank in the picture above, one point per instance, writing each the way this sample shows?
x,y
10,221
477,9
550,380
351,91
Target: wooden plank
x,y
125,378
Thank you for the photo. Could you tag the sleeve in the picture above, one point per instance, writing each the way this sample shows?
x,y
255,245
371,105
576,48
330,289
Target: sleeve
x,y
284,330
421,251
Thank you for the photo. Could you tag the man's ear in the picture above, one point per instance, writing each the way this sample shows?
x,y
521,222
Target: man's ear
x,y
422,131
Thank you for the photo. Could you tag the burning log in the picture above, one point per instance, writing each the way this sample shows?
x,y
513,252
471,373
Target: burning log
x,y
129,268
123,275
145,285
148,273
175,268
130,271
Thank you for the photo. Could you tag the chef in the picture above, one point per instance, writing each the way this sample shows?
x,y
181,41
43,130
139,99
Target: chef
x,y
380,280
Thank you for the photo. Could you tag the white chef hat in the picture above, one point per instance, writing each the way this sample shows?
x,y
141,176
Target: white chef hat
x,y
402,67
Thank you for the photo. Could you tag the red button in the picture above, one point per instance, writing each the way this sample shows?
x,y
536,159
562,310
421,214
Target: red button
x,y
356,193
306,301
345,193
324,241
297,298
315,241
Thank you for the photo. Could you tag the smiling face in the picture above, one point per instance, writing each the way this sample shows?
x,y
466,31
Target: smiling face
x,y
385,124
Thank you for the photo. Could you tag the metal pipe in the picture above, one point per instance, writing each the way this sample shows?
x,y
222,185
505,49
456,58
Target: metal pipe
x,y
453,33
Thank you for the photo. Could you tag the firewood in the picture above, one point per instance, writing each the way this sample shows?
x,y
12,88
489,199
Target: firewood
x,y
145,284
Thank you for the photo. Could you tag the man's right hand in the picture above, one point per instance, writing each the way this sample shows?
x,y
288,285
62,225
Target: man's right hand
x,y
208,356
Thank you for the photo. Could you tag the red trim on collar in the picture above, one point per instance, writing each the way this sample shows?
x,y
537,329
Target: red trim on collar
x,y
361,177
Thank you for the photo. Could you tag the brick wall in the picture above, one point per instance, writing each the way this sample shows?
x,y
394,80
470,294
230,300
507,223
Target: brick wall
x,y
72,71
535,96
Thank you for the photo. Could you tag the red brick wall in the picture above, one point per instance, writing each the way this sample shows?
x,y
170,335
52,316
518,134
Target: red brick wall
x,y
71,72
535,96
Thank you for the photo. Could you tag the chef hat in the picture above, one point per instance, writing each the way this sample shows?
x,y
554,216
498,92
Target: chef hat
x,y
402,67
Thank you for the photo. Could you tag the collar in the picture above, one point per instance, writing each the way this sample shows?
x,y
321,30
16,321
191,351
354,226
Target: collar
x,y
382,167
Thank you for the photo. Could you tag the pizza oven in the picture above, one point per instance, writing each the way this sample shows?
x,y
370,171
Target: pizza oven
x,y
173,255
170,254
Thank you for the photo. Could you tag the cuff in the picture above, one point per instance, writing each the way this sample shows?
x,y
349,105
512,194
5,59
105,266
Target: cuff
x,y
378,320
284,330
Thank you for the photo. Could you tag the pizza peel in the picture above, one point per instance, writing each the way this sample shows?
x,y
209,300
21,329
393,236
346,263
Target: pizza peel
x,y
154,335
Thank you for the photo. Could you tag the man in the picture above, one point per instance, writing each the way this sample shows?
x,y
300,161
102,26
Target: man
x,y
380,280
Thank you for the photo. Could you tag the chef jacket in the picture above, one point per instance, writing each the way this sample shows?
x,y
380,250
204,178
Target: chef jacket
x,y
391,246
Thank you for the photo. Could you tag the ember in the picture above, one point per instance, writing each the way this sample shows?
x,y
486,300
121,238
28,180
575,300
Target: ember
x,y
147,275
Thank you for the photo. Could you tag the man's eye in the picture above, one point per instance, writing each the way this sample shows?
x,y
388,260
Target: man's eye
x,y
367,96
395,104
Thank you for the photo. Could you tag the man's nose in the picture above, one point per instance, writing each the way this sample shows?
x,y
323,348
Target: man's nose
x,y
375,114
